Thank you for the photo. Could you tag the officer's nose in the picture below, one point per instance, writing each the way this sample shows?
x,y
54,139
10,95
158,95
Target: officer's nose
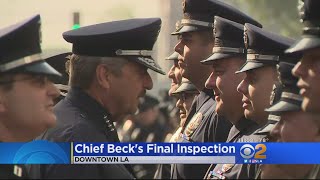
x,y
179,103
171,72
53,91
211,81
298,70
179,48
243,87
147,82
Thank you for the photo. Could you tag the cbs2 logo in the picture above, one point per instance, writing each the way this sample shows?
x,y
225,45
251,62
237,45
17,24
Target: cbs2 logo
x,y
247,151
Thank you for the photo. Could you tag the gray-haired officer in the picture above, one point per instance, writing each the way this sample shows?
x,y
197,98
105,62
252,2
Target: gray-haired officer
x,y
195,44
108,76
228,56
59,62
24,80
308,68
294,126
264,51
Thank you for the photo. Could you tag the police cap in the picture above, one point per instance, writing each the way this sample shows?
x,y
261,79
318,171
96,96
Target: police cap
x,y
20,49
173,56
264,48
310,17
147,102
290,99
132,38
273,117
186,86
198,15
228,40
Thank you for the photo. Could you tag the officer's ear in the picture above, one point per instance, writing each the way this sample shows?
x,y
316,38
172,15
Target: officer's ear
x,y
103,76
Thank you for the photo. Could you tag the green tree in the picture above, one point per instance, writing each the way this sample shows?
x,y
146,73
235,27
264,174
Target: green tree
x,y
275,15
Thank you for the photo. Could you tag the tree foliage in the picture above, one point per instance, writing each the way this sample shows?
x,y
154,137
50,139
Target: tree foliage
x,y
279,16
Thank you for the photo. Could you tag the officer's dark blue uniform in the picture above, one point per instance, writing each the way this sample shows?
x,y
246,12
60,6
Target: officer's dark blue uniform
x,y
80,117
203,124
228,44
20,52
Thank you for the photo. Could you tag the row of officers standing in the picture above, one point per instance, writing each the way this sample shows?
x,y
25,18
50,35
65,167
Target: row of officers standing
x,y
234,81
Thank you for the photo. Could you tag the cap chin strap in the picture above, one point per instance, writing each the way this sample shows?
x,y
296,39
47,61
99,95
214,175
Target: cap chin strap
x,y
121,52
262,57
292,96
20,62
227,50
196,23
274,117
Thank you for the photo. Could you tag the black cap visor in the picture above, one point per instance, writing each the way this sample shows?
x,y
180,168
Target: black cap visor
x,y
304,44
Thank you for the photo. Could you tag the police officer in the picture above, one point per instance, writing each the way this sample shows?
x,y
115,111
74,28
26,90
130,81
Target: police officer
x,y
294,126
264,50
108,75
185,94
228,56
24,80
169,112
174,72
308,68
195,44
59,62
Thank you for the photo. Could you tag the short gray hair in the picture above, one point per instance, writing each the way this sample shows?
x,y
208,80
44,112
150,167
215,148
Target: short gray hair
x,y
82,69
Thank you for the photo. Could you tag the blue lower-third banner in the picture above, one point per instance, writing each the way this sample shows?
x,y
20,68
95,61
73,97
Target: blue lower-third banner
x,y
44,152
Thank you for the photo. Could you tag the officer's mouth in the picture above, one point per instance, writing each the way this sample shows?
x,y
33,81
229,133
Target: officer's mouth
x,y
142,94
182,64
303,91
50,107
217,97
303,88
245,103
173,84
182,115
